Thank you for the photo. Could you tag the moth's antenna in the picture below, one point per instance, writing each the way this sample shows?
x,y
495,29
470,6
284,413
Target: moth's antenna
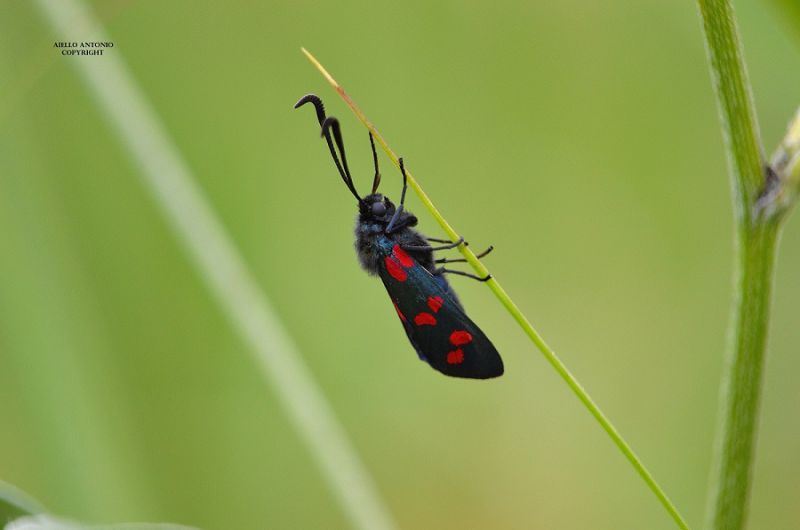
x,y
377,179
399,208
332,123
320,110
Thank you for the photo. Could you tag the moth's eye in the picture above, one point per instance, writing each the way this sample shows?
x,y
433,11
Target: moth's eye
x,y
378,209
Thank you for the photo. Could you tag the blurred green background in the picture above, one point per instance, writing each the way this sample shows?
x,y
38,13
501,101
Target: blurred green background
x,y
580,138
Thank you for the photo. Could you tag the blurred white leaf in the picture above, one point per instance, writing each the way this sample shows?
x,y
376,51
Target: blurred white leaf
x,y
47,522
14,502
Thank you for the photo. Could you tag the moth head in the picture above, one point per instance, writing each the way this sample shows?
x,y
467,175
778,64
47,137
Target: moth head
x,y
376,207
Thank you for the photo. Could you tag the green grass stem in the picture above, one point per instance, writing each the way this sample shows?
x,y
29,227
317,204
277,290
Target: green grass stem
x,y
760,198
167,176
515,312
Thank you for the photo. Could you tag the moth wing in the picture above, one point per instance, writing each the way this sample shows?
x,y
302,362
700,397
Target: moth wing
x,y
437,327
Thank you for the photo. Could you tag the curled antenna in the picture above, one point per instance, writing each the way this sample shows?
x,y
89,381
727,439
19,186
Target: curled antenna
x,y
344,171
333,124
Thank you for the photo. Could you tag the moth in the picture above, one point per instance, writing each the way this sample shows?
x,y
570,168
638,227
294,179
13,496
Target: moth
x,y
388,246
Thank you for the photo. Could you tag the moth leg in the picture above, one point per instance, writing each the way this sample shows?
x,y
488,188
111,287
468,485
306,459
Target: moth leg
x,y
463,260
437,240
409,220
442,270
443,247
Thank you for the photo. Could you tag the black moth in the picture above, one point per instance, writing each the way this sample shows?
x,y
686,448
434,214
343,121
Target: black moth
x,y
388,246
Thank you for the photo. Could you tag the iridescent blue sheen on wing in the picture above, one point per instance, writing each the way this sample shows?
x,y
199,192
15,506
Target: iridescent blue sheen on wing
x,y
440,331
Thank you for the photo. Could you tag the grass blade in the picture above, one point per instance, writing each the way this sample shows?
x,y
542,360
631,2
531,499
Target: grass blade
x,y
515,312
167,176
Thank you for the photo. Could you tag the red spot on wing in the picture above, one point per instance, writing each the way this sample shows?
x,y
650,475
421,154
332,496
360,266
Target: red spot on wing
x,y
394,269
435,303
455,356
425,319
460,337
404,259
399,313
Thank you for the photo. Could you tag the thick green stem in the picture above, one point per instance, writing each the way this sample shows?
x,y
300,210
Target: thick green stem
x,y
757,196
742,378
737,112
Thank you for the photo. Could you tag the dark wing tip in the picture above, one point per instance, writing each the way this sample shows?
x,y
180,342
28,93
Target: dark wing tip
x,y
490,371
487,365
499,370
